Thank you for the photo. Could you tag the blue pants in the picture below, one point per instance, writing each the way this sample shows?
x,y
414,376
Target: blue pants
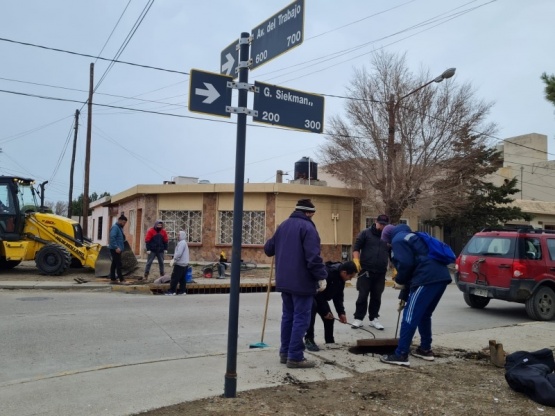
x,y
295,319
418,315
160,257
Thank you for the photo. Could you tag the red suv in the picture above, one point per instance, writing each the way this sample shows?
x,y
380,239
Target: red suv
x,y
516,265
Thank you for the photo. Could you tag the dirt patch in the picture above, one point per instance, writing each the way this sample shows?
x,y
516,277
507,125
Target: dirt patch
x,y
459,387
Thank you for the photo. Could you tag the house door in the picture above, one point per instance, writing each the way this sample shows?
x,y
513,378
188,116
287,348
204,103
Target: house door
x,y
138,228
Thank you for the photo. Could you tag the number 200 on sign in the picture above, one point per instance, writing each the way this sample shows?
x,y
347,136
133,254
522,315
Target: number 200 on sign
x,y
271,117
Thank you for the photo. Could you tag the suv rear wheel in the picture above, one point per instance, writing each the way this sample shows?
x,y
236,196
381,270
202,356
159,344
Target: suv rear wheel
x,y
477,302
541,305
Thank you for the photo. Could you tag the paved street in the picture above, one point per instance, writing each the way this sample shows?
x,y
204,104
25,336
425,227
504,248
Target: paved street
x,y
83,353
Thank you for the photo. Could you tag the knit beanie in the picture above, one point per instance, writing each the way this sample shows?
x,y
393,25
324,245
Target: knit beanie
x,y
387,233
305,205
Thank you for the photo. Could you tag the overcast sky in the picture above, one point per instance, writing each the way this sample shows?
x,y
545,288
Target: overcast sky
x,y
501,47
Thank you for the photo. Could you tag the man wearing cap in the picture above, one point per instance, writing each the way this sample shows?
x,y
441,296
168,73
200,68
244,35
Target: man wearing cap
x,y
371,255
300,274
117,241
156,240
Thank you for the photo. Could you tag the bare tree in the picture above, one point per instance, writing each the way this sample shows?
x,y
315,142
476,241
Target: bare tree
x,y
428,123
60,208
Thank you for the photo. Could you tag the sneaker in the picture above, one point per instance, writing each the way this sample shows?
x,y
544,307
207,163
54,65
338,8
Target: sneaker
x,y
357,323
311,345
304,363
181,294
376,324
113,282
427,355
283,358
395,359
169,294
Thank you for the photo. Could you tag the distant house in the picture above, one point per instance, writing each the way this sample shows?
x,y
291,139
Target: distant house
x,y
205,212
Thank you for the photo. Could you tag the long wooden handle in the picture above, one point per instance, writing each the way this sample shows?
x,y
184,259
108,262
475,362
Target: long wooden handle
x,y
267,300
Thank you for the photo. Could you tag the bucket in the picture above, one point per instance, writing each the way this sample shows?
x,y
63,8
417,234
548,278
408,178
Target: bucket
x,y
189,275
207,272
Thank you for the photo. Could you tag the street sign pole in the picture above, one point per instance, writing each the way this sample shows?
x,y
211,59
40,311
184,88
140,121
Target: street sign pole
x,y
230,384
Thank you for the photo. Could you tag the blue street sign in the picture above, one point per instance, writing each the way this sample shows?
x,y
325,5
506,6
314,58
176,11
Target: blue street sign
x,y
229,58
289,108
278,34
208,93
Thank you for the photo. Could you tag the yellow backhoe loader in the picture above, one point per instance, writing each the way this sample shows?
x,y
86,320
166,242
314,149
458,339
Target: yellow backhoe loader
x,y
30,232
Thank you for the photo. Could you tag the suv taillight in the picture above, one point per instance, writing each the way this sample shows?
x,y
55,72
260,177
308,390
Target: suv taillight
x,y
457,263
519,269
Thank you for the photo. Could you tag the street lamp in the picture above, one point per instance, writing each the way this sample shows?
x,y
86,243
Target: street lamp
x,y
392,108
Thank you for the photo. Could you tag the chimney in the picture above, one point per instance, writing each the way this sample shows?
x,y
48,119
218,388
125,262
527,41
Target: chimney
x,y
279,176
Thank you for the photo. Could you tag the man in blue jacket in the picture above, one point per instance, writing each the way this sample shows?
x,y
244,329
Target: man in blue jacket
x,y
422,282
117,241
300,274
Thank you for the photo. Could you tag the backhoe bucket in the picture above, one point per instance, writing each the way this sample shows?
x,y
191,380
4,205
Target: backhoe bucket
x,y
104,261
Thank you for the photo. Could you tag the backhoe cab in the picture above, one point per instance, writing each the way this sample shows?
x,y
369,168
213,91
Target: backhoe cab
x,y
32,232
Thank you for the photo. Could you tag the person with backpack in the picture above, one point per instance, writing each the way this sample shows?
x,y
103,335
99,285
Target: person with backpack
x,y
338,274
421,262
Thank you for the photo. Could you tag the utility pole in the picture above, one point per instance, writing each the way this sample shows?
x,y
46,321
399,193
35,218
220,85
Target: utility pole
x,y
88,157
69,204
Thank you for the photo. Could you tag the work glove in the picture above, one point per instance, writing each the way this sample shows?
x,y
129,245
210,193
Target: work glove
x,y
343,318
357,263
322,285
401,306
403,295
172,261
397,286
148,252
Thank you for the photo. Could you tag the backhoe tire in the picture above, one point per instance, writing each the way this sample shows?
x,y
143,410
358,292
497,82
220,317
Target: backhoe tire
x,y
53,260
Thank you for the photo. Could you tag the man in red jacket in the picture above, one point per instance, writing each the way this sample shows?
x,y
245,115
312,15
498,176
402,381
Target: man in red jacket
x,y
156,246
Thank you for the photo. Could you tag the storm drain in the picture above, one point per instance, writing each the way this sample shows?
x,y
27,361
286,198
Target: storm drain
x,y
196,289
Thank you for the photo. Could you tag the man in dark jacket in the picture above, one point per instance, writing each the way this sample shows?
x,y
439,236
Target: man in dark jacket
x,y
300,273
156,240
338,274
423,281
371,255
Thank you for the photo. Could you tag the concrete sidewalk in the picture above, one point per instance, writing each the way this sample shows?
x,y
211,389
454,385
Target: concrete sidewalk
x,y
257,368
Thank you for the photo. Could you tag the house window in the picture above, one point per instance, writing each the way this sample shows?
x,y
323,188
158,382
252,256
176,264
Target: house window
x,y
369,221
188,221
253,227
99,229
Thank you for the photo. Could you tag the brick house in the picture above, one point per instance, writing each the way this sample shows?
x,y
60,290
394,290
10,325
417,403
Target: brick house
x,y
205,211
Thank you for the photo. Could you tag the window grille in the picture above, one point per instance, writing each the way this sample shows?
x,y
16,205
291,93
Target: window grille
x,y
188,221
253,227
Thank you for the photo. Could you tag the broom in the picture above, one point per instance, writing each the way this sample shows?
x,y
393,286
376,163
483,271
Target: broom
x,y
261,344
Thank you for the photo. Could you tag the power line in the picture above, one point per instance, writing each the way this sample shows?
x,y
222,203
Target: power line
x,y
92,56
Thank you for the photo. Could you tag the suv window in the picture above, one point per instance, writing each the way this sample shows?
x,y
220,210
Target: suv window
x,y
551,247
532,249
492,246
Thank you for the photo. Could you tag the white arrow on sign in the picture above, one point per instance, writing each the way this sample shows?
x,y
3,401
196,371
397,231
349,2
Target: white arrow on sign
x,y
210,93
228,64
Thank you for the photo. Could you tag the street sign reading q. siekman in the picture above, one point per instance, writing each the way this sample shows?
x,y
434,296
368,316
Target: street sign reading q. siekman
x,y
278,34
289,108
208,93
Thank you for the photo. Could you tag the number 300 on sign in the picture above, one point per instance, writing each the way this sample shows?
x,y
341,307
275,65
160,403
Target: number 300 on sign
x,y
313,125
